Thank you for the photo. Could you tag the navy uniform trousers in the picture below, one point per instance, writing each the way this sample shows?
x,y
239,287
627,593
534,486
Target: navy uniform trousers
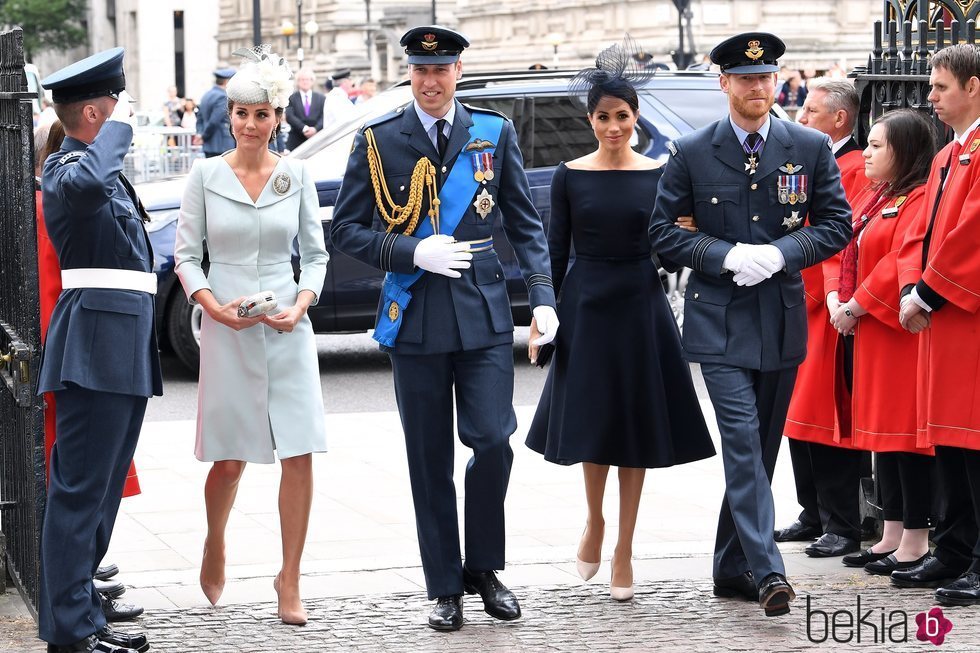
x,y
82,505
483,380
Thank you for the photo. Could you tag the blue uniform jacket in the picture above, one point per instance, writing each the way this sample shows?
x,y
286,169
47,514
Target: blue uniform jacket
x,y
99,339
213,123
445,314
760,327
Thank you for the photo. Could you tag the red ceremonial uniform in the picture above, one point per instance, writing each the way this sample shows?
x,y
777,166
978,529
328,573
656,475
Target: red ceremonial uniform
x,y
949,350
49,284
884,384
812,413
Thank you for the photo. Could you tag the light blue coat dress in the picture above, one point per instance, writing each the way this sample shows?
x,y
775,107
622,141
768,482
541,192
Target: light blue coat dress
x,y
259,390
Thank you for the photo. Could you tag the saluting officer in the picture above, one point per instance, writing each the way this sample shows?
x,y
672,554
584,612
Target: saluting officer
x,y
213,123
767,199
100,357
441,175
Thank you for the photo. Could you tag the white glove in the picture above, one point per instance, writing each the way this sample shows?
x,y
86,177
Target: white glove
x,y
750,277
123,109
441,254
769,257
547,320
742,259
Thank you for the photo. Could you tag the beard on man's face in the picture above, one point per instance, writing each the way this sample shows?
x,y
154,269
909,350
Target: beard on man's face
x,y
751,110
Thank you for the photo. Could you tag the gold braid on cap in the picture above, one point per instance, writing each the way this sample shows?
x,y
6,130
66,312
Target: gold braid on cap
x,y
423,181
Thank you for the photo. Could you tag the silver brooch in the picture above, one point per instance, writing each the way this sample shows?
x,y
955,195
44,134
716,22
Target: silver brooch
x,y
281,183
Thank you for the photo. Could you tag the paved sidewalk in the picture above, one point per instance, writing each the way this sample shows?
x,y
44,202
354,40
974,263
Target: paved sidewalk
x,y
363,585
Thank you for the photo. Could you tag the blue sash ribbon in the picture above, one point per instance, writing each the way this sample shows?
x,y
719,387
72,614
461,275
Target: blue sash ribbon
x,y
455,196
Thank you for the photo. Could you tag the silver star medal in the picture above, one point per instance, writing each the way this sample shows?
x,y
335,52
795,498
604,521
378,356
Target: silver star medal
x,y
792,221
484,204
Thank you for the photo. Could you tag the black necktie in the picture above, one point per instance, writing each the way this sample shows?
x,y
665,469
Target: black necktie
x,y
752,140
441,139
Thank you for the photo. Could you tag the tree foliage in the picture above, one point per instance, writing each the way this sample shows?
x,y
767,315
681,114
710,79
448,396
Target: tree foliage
x,y
47,24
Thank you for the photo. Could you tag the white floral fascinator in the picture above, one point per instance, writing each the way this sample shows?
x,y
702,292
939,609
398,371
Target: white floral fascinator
x,y
263,77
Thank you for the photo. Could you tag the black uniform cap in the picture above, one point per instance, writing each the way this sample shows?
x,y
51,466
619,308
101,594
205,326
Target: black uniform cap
x,y
343,73
100,75
433,44
749,53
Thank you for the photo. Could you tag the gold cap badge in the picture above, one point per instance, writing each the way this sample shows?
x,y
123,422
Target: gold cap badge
x,y
429,42
754,52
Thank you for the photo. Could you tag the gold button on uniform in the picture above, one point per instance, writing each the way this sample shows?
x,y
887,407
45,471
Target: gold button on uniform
x,y
754,186
714,200
755,218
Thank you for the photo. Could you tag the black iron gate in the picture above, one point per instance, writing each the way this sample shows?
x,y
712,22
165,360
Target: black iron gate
x,y
22,475
897,74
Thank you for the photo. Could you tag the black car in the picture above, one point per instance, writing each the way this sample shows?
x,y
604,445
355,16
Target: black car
x,y
551,128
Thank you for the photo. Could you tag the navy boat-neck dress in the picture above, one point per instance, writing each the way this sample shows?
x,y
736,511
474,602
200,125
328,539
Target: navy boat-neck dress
x,y
619,391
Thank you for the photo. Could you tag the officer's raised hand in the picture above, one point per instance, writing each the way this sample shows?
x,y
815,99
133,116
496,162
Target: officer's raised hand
x,y
441,254
123,111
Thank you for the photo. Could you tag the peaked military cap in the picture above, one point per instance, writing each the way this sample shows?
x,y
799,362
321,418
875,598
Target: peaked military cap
x,y
749,53
225,73
433,44
100,75
343,73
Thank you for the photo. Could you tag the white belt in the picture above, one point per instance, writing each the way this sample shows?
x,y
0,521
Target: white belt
x,y
109,278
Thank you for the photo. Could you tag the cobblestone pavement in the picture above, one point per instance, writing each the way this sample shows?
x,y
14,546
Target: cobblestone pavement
x,y
664,616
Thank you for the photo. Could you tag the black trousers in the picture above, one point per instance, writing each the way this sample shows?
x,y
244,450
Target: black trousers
x,y
906,481
828,481
957,542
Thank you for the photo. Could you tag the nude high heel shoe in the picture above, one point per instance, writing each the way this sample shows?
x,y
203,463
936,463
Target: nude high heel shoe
x,y
212,590
587,569
289,617
620,593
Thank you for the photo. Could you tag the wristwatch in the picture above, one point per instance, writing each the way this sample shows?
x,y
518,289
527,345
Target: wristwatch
x,y
848,312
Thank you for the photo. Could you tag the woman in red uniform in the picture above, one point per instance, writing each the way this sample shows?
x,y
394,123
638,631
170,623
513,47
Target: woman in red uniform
x,y
897,160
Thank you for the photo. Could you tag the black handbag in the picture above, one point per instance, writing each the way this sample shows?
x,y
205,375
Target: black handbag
x,y
545,352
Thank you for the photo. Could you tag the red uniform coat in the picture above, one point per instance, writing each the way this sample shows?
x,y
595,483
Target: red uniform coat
x,y
949,350
884,385
49,284
812,415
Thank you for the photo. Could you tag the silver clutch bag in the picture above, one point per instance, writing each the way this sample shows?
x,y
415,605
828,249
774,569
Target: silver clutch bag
x,y
258,304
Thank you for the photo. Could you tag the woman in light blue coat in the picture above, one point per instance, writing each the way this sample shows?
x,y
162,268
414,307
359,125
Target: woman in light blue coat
x,y
259,391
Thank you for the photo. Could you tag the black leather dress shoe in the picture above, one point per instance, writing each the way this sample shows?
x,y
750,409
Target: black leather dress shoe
x,y
498,601
965,590
106,572
931,573
738,587
110,588
831,545
135,641
796,532
775,593
90,644
890,563
448,613
115,611
864,557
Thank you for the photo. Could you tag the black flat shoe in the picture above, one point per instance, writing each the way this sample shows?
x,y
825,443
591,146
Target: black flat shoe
x,y
448,613
115,611
775,593
135,641
106,572
110,588
831,545
864,557
797,532
965,590
931,573
890,563
498,601
738,587
90,644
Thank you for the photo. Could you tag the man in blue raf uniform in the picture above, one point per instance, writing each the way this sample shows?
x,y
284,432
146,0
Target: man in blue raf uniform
x,y
100,359
751,183
213,123
441,174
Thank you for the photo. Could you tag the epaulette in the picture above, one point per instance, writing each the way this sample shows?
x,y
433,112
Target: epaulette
x,y
470,107
71,156
385,118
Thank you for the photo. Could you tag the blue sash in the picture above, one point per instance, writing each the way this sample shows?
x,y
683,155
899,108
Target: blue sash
x,y
455,196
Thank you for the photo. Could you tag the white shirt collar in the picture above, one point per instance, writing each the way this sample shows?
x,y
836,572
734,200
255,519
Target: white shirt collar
x,y
961,138
741,134
428,122
835,147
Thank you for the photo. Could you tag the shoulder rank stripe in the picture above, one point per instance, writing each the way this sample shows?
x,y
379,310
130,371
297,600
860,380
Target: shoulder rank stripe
x,y
672,147
539,280
697,257
387,245
71,156
809,253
